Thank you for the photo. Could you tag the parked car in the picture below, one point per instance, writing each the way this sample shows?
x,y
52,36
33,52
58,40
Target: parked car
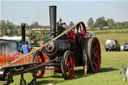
x,y
122,47
112,45
11,46
126,47
91,34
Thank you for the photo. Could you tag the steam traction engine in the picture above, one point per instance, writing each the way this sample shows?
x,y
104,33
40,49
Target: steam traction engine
x,y
69,49
62,52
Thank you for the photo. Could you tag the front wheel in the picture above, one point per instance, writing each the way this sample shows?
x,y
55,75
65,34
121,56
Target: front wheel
x,y
68,65
39,58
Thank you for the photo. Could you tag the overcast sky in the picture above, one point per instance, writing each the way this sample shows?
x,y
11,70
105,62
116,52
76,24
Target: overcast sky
x,y
27,11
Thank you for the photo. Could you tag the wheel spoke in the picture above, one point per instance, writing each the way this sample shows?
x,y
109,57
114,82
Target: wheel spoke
x,y
94,56
95,64
38,58
68,68
95,47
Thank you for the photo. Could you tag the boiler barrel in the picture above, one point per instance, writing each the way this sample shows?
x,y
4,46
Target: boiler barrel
x,y
57,47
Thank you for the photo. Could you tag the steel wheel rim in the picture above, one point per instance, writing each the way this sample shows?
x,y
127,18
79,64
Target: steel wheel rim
x,y
40,73
96,55
70,65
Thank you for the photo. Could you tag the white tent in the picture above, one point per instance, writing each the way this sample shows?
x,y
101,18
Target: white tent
x,y
17,38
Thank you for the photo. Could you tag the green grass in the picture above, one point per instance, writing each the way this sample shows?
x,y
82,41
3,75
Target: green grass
x,y
109,73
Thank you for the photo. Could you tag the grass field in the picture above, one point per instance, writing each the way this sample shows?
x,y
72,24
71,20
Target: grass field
x,y
120,35
109,73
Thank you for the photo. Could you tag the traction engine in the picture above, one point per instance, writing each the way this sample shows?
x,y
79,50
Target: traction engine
x,y
69,49
62,52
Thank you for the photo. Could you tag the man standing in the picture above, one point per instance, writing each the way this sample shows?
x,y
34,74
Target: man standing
x,y
25,48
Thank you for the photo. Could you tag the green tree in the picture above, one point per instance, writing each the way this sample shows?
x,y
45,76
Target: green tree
x,y
7,27
15,31
100,22
3,27
71,24
119,25
35,24
10,25
110,23
11,32
90,23
125,24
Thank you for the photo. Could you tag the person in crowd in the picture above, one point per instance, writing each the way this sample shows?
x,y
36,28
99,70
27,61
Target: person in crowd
x,y
25,48
20,44
32,42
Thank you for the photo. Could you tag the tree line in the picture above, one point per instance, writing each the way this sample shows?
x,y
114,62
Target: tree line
x,y
109,23
8,28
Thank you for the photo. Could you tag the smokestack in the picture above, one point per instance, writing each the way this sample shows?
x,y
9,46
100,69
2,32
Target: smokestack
x,y
52,11
23,31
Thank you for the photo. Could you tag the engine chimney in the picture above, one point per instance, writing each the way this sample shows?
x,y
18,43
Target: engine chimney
x,y
23,31
52,11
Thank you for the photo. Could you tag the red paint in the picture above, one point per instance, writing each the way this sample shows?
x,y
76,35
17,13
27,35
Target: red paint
x,y
12,57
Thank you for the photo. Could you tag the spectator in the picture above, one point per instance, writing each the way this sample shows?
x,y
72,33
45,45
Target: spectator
x,y
19,48
32,42
25,48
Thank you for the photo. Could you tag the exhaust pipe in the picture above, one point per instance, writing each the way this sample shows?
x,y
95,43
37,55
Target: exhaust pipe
x,y
23,31
52,11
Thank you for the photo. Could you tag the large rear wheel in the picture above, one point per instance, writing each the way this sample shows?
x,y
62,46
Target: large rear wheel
x,y
68,65
94,54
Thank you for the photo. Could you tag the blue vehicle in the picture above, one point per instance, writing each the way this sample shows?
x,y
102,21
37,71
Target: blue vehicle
x,y
11,45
